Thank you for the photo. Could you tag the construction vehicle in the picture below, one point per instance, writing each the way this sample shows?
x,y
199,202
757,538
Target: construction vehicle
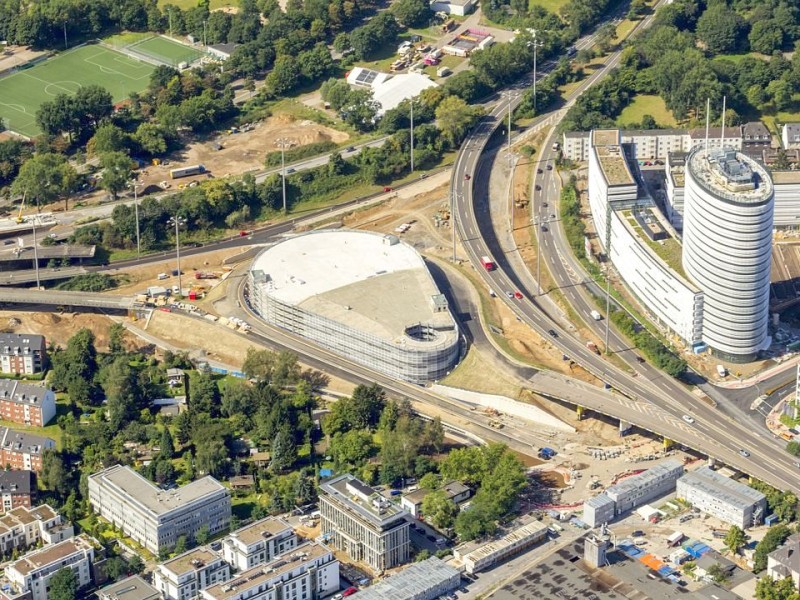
x,y
19,218
205,275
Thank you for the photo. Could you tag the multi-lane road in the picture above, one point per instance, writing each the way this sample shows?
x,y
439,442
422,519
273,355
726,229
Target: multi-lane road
x,y
710,431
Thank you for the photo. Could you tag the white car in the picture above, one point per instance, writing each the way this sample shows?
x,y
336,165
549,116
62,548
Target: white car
x,y
688,419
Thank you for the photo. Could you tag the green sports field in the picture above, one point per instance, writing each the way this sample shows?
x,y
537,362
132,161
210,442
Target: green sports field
x,y
23,92
165,51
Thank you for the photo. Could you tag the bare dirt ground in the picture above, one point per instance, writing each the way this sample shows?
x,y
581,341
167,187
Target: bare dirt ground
x,y
17,55
242,152
139,278
58,328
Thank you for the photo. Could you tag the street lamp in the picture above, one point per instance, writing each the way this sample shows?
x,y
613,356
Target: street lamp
x,y
411,103
135,185
536,45
35,253
177,222
283,144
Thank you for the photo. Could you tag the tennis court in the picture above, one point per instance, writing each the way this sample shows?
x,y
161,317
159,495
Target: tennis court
x,y
23,92
165,51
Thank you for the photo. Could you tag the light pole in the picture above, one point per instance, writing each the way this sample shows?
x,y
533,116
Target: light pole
x,y
412,134
35,253
135,185
178,222
536,45
284,143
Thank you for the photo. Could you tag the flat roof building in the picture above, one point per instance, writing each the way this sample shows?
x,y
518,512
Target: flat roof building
x,y
598,510
453,490
22,528
638,489
424,580
156,518
721,497
258,543
364,524
493,552
310,572
366,296
186,575
130,588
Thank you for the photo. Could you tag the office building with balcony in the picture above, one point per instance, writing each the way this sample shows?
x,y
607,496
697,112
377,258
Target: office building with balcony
x,y
365,525
22,528
258,543
156,518
186,575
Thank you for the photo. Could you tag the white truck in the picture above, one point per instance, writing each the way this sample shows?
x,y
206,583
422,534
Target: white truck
x,y
596,315
722,371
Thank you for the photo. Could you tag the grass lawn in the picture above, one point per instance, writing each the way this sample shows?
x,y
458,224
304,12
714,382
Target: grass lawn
x,y
53,431
646,104
551,5
23,92
791,115
447,61
242,506
166,51
736,58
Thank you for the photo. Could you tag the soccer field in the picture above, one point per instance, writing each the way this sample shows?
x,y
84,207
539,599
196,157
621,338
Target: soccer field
x,y
165,50
23,92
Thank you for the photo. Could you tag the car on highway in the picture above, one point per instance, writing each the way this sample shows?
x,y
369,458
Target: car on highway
x,y
538,188
549,167
797,464
510,294
544,228
351,148
640,360
539,171
544,204
518,295
290,170
688,419
744,453
552,333
467,177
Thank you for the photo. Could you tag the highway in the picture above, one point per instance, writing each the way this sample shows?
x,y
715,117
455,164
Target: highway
x,y
712,432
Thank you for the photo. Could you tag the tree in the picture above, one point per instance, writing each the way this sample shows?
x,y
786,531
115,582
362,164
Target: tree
x,y
439,509
44,178
166,448
136,564
284,452
770,589
772,540
351,449
116,338
55,475
475,522
211,457
720,28
63,585
793,448
115,568
204,394
202,535
180,545
605,36
735,539
123,394
107,138
117,172
766,36
285,75
151,139
717,573
412,13
455,118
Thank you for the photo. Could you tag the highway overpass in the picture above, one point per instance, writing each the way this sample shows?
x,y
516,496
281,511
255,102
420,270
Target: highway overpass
x,y
61,298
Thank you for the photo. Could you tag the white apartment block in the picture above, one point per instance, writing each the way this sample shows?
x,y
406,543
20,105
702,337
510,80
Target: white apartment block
x,y
156,518
31,573
308,573
721,497
186,575
24,527
258,543
364,524
785,561
790,135
654,144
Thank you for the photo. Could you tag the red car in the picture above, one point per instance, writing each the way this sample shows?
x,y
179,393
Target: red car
x,y
349,592
518,295
244,233
387,189
467,177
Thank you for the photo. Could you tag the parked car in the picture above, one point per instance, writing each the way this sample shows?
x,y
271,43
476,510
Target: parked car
x,y
349,592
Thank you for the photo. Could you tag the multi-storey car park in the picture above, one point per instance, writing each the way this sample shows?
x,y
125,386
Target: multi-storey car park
x,y
727,248
366,296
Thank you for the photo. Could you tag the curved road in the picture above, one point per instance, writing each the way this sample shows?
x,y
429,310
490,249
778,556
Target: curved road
x,y
711,432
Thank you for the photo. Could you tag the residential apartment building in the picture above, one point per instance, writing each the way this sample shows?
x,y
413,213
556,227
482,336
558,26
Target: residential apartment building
x,y
719,496
424,580
26,403
790,135
31,573
785,561
22,450
22,528
22,353
258,543
186,575
755,136
17,488
639,489
309,572
364,524
156,518
130,588
453,490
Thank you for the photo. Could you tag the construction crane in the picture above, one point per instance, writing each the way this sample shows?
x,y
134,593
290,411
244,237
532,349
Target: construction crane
x,y
19,218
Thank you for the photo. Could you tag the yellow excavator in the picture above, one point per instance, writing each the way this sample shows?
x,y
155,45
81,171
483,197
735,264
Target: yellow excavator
x,y
19,218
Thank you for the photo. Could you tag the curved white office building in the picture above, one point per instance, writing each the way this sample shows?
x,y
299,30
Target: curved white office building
x,y
365,296
727,237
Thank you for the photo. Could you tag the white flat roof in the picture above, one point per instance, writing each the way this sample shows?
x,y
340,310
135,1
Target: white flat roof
x,y
355,277
391,92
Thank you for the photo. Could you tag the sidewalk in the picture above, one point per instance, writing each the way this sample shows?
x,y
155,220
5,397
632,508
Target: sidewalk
x,y
737,384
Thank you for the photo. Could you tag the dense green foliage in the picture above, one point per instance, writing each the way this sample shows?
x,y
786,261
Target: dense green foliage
x,y
770,589
90,282
772,540
273,159
658,354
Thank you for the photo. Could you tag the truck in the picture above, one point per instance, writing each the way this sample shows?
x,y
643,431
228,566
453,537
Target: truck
x,y
187,171
674,538
596,315
556,146
487,263
722,371
593,347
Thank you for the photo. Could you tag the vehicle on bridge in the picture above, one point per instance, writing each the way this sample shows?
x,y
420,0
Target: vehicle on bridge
x,y
593,347
488,263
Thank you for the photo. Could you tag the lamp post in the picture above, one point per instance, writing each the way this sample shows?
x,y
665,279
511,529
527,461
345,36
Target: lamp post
x,y
536,45
35,253
411,102
284,143
178,222
135,185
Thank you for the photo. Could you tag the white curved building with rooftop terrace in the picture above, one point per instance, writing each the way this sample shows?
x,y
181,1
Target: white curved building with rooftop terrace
x,y
366,296
727,237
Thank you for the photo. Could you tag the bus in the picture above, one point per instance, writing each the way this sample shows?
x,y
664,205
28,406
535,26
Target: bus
x,y
187,171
